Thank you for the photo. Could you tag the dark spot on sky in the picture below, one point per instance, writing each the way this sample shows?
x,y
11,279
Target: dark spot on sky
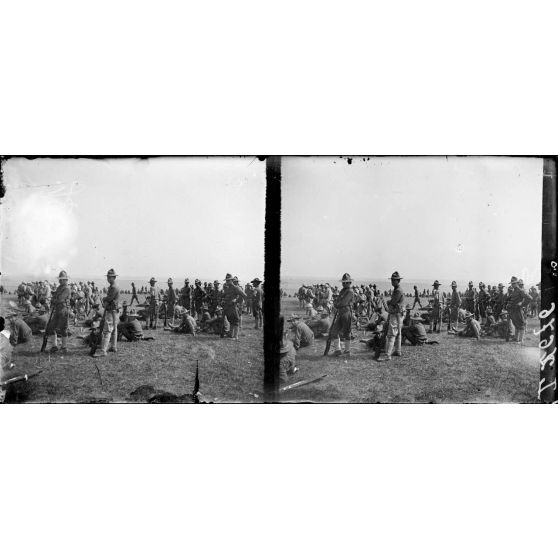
x,y
350,160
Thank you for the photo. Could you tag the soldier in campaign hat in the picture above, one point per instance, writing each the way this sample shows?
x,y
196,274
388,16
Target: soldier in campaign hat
x,y
341,327
257,303
154,299
517,300
171,301
61,313
111,304
436,311
231,295
396,309
455,303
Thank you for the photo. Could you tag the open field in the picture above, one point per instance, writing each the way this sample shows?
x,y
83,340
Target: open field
x,y
458,370
230,371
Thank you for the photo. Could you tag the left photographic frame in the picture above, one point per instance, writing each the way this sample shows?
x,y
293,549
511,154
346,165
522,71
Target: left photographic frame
x,y
132,279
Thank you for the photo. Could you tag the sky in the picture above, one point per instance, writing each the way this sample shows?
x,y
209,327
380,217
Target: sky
x,y
181,217
462,218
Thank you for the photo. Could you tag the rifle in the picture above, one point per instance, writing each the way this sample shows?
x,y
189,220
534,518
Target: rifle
x,y
45,335
96,337
328,342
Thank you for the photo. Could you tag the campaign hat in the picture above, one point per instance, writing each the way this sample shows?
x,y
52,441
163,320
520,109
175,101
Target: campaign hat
x,y
346,278
62,275
111,273
256,281
436,283
395,275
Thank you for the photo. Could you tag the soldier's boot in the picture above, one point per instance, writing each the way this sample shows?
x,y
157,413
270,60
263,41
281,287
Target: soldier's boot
x,y
64,348
347,350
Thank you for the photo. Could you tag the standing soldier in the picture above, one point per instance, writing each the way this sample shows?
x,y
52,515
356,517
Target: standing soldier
x,y
257,302
341,328
517,299
215,299
153,315
61,313
396,309
436,313
499,301
455,303
111,306
469,298
231,294
249,292
171,300
186,295
134,295
199,297
483,300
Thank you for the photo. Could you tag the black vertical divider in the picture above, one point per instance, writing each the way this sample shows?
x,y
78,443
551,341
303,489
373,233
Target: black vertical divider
x,y
272,298
549,282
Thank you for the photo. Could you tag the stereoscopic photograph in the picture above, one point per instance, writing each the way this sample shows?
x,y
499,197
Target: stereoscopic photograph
x,y
411,279
132,280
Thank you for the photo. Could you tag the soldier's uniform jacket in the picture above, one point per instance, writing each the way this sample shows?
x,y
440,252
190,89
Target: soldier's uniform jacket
x,y
61,298
111,300
344,300
257,297
199,294
396,304
483,297
171,296
518,297
455,299
154,297
20,332
231,295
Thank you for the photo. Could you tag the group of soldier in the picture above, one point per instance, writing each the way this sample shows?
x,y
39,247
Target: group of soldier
x,y
209,308
331,312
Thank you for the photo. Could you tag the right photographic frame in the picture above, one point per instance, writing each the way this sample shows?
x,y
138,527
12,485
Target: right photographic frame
x,y
418,279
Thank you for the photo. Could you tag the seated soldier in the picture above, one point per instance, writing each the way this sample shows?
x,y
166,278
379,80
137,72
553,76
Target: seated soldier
x,y
415,332
287,354
20,332
95,318
130,328
303,335
37,321
487,328
472,327
378,340
6,350
215,324
320,326
187,325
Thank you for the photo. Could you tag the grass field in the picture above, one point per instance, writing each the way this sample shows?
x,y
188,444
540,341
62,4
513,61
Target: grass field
x,y
455,371
230,371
